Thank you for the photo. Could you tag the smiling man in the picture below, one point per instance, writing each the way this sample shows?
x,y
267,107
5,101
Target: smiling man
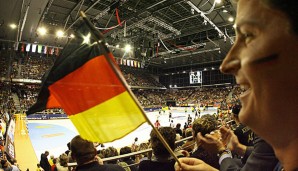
x,y
264,60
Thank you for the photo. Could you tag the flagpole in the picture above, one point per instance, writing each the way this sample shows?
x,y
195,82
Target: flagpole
x,y
100,40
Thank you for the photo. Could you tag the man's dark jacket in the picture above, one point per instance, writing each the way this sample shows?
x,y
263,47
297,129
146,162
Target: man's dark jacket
x,y
260,157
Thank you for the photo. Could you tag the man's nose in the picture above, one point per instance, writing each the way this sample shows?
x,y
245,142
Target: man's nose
x,y
231,64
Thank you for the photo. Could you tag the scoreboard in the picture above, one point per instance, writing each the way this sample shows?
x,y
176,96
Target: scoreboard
x,y
195,77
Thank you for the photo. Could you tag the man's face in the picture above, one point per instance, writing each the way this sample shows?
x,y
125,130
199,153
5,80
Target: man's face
x,y
264,60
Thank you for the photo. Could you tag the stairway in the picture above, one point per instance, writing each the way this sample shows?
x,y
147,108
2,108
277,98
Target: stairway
x,y
16,101
230,95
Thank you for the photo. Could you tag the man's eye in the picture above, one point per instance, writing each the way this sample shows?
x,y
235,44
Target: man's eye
x,y
247,35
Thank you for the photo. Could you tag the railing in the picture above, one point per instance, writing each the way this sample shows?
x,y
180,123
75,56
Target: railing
x,y
72,165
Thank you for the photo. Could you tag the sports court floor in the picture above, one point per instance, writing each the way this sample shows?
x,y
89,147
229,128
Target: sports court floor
x,y
53,135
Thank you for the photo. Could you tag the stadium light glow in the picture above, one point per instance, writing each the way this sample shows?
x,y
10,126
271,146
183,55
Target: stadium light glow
x,y
59,33
42,31
218,1
86,39
231,19
13,26
127,48
72,36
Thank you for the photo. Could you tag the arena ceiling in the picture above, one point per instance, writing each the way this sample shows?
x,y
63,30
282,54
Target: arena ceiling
x,y
188,32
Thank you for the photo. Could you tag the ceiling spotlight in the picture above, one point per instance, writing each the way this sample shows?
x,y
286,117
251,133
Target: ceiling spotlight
x,y
13,26
86,39
127,48
218,1
42,31
117,46
59,33
72,36
225,11
234,26
192,11
231,19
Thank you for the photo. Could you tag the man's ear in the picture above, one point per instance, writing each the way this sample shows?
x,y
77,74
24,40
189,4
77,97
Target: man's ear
x,y
193,134
196,138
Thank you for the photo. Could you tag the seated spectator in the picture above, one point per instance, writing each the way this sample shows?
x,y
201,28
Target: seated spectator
x,y
84,153
244,133
14,165
178,129
162,160
62,164
180,143
205,124
6,165
2,145
144,156
128,160
110,152
190,143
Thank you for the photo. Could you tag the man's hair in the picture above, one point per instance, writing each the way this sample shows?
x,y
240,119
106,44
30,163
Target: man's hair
x,y
289,7
143,146
125,150
3,162
205,125
13,161
82,150
63,159
236,109
188,132
109,152
158,148
68,145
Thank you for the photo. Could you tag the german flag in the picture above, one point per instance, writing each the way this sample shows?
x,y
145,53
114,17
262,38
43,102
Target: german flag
x,y
93,95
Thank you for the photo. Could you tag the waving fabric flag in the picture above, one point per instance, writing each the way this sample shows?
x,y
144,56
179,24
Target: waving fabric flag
x,y
85,84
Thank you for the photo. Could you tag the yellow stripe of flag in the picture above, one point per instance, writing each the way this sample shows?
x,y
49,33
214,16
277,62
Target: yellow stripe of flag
x,y
115,117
